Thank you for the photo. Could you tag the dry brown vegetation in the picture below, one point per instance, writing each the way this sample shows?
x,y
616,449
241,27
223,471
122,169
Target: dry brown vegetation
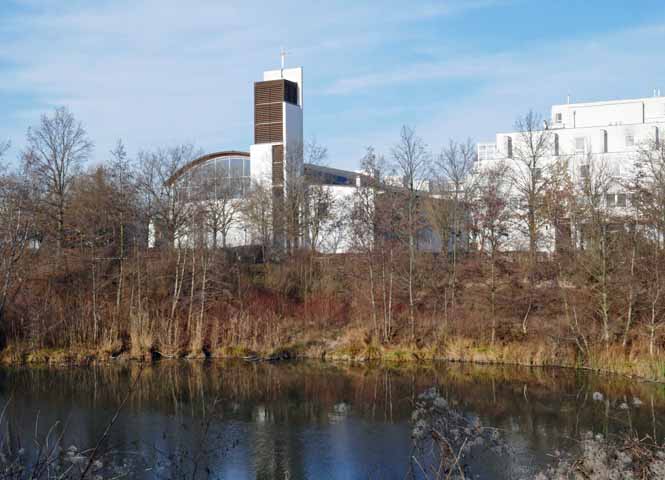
x,y
78,282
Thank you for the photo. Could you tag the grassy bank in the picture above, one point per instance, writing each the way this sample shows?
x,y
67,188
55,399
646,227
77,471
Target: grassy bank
x,y
353,345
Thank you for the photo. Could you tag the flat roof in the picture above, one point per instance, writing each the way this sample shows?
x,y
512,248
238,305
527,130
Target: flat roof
x,y
609,102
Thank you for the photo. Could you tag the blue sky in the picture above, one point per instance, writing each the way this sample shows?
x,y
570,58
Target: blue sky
x,y
163,72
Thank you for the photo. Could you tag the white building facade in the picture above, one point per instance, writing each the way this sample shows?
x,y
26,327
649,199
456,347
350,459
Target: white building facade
x,y
276,163
607,133
278,122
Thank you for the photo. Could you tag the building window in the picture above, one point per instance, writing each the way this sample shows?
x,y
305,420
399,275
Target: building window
x,y
558,117
556,144
584,171
509,147
603,138
630,140
610,200
486,151
236,167
656,135
621,199
579,145
218,178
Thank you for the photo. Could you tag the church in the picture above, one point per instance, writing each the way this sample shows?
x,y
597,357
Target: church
x,y
224,182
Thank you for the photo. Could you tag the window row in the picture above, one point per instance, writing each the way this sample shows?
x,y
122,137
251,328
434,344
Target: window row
x,y
224,188
615,199
223,167
611,200
581,145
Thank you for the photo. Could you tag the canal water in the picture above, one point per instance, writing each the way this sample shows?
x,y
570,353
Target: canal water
x,y
305,420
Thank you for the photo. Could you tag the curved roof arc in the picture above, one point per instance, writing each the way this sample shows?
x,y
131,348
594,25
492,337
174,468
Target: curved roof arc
x,y
203,159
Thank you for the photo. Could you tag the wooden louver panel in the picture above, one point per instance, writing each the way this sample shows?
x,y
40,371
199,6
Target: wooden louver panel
x,y
270,91
278,217
268,113
278,165
268,98
268,133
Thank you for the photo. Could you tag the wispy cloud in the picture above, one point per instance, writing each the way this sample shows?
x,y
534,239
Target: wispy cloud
x,y
621,64
157,72
618,65
418,72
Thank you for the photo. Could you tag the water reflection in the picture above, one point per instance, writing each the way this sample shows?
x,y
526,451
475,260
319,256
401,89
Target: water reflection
x,y
314,420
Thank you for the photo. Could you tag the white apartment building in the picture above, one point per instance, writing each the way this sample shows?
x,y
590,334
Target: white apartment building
x,y
607,132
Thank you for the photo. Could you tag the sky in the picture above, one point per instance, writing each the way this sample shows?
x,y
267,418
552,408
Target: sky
x,y
158,73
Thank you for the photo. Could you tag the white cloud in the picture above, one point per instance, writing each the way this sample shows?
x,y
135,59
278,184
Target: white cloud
x,y
619,65
623,64
156,72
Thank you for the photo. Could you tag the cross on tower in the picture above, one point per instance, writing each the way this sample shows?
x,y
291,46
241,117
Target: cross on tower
x,y
282,54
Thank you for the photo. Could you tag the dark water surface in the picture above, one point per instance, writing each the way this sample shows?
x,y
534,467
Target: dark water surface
x,y
311,420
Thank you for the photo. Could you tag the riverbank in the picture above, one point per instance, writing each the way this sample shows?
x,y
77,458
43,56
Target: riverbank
x,y
352,346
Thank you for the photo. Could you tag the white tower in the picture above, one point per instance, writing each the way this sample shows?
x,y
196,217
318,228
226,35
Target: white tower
x,y
277,154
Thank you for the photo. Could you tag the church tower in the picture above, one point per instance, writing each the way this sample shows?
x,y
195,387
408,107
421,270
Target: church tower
x,y
277,153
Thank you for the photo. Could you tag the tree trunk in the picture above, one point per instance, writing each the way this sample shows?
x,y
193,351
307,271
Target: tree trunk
x,y
370,269
631,294
493,298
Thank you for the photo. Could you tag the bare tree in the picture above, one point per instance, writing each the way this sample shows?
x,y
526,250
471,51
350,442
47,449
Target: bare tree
x,y
529,170
315,153
530,176
374,223
333,222
257,211
364,227
303,203
169,201
647,188
594,217
16,225
562,200
124,210
455,184
220,206
289,198
55,151
122,177
166,190
647,193
412,163
491,210
319,215
491,219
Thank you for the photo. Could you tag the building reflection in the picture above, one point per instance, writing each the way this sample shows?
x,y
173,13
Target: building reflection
x,y
311,420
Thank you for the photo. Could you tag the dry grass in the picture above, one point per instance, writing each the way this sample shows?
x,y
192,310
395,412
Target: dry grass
x,y
635,362
355,344
271,333
141,337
